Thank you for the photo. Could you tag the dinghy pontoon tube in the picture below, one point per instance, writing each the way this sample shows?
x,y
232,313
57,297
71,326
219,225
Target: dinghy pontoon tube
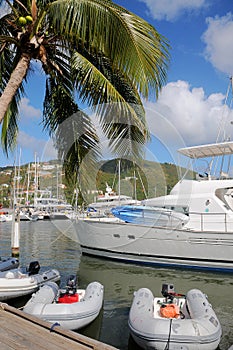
x,y
8,263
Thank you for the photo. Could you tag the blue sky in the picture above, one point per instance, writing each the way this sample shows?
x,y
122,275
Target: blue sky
x,y
190,106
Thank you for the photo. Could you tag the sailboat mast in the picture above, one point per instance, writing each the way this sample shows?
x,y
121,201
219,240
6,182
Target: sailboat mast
x,y
119,180
36,183
28,184
18,194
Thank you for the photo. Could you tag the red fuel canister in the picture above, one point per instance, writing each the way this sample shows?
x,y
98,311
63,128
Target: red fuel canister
x,y
68,298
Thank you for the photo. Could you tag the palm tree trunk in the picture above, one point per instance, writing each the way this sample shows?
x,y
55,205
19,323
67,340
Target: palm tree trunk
x,y
14,83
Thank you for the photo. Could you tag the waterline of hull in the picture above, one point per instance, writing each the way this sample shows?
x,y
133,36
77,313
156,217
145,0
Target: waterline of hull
x,y
156,245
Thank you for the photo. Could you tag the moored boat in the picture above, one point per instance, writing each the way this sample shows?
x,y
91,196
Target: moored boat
x,y
174,321
8,263
71,308
203,242
5,216
15,283
110,199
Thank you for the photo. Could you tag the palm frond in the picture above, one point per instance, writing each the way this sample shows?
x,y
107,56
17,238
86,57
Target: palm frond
x,y
133,45
81,158
71,129
100,86
10,128
58,104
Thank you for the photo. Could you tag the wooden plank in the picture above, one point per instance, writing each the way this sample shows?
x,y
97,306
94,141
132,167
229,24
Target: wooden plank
x,y
19,330
26,335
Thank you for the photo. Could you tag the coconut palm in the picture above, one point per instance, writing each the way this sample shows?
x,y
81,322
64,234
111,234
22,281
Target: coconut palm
x,y
92,51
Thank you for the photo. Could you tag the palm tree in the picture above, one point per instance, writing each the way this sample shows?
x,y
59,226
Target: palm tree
x,y
108,56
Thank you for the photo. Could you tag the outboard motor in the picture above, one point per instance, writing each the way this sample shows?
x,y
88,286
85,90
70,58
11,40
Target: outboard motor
x,y
169,309
71,284
168,291
70,295
34,268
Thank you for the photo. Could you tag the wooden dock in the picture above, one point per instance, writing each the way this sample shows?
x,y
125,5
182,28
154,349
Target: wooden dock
x,y
19,330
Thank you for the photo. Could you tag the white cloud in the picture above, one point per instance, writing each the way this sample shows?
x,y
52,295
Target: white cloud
x,y
27,111
182,116
28,141
170,10
42,148
48,152
219,42
185,116
4,9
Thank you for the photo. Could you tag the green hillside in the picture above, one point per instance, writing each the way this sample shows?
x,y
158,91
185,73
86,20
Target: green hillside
x,y
149,178
152,179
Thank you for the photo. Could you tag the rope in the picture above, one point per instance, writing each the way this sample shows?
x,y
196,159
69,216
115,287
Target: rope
x,y
169,335
53,326
3,305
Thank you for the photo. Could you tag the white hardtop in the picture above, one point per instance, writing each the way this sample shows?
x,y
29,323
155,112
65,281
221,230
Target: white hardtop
x,y
209,150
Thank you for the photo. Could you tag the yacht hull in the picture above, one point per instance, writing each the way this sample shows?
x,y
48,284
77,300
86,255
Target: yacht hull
x,y
163,246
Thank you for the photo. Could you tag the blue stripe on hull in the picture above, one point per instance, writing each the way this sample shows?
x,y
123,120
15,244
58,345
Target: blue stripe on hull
x,y
131,260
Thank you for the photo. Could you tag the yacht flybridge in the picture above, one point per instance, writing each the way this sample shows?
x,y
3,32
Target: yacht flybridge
x,y
207,200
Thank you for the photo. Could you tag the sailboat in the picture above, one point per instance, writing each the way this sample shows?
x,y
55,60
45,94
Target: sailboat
x,y
45,206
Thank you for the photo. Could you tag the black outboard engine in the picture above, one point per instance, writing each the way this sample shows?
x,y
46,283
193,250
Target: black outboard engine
x,y
70,295
71,284
168,291
34,268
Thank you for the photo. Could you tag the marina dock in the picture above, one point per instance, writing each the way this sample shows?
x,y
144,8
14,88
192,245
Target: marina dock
x,y
19,330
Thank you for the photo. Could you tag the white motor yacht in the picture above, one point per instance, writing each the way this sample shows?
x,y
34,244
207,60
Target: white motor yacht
x,y
204,240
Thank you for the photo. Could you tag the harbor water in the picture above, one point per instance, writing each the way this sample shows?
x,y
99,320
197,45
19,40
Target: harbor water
x,y
54,245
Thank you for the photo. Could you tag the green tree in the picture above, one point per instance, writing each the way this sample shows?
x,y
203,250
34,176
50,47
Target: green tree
x,y
92,51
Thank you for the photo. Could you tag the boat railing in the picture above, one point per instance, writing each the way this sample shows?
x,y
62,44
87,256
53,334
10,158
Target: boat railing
x,y
221,222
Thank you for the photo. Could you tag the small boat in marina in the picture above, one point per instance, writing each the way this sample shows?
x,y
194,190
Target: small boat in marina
x,y
110,199
17,283
5,216
72,308
8,263
47,207
26,216
173,321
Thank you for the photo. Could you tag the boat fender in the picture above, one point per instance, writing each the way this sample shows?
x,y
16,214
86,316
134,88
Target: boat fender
x,y
169,311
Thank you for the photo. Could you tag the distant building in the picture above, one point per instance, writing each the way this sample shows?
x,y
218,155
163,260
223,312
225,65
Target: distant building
x,y
5,185
48,166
